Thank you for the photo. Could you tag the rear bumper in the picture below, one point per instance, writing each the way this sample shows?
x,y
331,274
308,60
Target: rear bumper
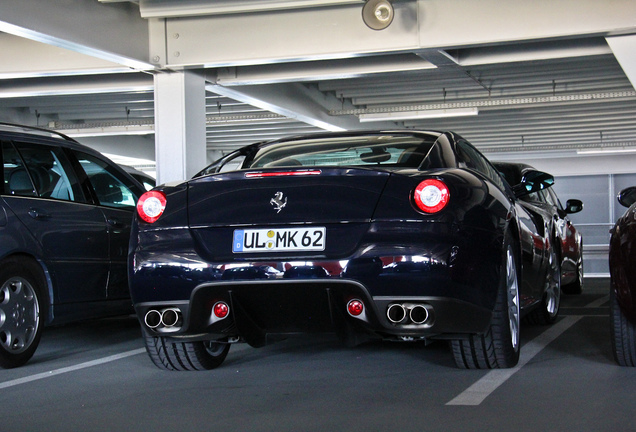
x,y
452,279
263,311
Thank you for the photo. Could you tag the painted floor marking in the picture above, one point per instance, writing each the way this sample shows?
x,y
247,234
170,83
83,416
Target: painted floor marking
x,y
476,393
60,371
480,390
598,303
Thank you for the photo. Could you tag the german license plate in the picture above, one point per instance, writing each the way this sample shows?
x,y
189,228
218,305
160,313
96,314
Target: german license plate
x,y
279,240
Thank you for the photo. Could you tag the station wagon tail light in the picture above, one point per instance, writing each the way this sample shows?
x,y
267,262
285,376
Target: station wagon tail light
x,y
151,205
431,196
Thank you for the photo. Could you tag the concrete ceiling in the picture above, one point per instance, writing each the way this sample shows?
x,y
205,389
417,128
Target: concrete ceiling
x,y
541,76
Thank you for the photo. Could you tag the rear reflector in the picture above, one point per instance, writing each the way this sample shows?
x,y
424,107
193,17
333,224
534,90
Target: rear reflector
x,y
221,310
151,205
355,307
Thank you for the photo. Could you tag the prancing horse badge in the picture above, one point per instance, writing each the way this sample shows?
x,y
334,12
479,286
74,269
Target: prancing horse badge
x,y
279,201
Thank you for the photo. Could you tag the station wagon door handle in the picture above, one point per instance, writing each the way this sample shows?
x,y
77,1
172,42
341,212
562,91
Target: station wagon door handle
x,y
38,214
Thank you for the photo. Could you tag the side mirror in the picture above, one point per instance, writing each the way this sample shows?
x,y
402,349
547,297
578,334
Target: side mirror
x,y
573,206
533,181
627,196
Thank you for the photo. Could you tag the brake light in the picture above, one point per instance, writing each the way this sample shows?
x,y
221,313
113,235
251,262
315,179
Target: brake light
x,y
431,196
151,205
282,173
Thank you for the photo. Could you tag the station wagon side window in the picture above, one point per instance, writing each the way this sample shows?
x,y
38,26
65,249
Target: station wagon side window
x,y
37,170
111,188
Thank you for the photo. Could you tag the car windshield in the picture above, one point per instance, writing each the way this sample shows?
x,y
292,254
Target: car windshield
x,y
405,151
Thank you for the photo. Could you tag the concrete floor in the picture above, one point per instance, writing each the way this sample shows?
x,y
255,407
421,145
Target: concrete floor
x,y
95,376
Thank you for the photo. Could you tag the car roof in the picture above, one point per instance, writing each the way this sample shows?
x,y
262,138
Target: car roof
x,y
33,130
15,131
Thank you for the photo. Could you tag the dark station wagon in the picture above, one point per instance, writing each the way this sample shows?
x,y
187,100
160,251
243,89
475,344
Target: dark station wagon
x,y
65,217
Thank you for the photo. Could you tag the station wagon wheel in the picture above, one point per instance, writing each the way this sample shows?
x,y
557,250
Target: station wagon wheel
x,y
21,314
169,355
623,333
499,346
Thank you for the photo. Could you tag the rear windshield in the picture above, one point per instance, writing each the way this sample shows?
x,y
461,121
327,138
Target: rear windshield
x,y
368,150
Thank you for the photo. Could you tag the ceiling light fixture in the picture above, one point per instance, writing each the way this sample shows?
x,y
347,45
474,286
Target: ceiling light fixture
x,y
606,151
418,115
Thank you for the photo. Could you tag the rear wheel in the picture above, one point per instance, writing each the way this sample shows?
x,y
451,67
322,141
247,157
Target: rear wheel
x,y
499,346
575,287
21,311
180,356
548,311
623,334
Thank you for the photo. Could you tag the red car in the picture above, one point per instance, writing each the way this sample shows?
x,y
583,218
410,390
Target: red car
x,y
622,255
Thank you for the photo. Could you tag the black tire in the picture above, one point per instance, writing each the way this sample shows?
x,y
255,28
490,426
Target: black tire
x,y
548,311
499,346
623,334
22,310
185,356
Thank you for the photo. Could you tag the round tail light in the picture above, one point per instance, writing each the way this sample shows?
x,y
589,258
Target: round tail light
x,y
151,205
220,310
355,307
431,196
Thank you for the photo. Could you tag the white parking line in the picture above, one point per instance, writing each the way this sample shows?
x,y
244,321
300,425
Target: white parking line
x,y
476,393
598,303
55,372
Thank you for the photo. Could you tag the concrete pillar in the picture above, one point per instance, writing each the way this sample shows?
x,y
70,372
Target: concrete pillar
x,y
180,147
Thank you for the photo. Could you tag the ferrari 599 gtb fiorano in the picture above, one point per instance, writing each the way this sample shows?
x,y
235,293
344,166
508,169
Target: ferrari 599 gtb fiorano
x,y
394,235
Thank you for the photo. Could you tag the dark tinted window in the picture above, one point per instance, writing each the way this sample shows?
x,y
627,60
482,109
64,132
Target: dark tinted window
x,y
39,170
469,157
404,151
552,198
111,187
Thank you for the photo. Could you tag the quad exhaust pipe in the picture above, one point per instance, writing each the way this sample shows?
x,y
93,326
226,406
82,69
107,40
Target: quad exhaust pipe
x,y
169,318
410,313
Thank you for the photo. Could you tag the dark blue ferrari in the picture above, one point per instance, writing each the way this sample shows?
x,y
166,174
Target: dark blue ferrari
x,y
393,235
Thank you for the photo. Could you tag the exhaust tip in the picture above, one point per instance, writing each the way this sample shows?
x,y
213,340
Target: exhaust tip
x,y
171,317
396,313
418,314
152,318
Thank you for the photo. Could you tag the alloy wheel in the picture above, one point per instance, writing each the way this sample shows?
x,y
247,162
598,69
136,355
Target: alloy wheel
x,y
553,291
19,315
512,284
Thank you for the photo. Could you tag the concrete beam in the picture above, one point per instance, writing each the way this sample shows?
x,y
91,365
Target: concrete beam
x,y
624,48
29,59
114,32
338,32
296,101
